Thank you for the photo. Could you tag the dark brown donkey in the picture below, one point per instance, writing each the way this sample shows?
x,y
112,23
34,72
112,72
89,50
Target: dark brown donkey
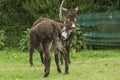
x,y
70,15
50,33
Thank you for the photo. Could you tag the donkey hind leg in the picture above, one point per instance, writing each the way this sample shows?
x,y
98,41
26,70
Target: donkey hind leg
x,y
40,50
30,56
46,47
42,57
34,43
57,60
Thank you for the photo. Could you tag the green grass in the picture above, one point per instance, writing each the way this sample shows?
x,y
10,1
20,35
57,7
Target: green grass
x,y
86,65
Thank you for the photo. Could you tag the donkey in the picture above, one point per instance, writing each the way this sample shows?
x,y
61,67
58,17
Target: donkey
x,y
50,33
70,15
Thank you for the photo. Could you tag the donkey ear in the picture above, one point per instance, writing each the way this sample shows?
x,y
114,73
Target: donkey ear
x,y
64,9
76,8
79,29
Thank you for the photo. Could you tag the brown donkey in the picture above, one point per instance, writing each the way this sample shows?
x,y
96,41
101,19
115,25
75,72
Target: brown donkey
x,y
50,33
70,15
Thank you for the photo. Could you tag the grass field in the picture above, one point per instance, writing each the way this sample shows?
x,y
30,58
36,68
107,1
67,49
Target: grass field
x,y
86,65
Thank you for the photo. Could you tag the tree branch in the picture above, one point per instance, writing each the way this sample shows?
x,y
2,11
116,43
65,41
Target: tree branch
x,y
60,9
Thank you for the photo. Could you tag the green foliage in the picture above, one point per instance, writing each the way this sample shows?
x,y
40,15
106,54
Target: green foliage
x,y
12,12
16,14
13,34
91,6
24,42
42,8
26,11
2,39
77,42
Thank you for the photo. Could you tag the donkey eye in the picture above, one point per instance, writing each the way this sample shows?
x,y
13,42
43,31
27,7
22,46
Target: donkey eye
x,y
70,31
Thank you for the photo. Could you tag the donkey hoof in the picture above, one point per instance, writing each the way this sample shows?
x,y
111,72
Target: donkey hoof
x,y
43,62
66,72
31,64
46,75
59,71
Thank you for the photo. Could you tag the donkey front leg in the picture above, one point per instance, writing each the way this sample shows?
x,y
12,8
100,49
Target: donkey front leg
x,y
57,60
64,54
68,49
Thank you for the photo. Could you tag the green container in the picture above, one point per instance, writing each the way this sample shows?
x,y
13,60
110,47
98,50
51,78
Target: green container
x,y
101,28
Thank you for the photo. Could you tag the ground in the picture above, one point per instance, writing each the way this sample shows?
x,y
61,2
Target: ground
x,y
86,65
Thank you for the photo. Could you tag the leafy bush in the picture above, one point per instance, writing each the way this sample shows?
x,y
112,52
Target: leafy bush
x,y
2,39
25,12
24,42
77,42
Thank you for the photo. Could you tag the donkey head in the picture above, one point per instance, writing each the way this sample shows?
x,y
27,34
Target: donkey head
x,y
71,14
67,29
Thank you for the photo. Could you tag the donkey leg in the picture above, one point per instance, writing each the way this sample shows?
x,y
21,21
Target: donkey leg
x,y
40,50
41,53
61,58
47,59
30,56
47,65
57,61
65,56
68,49
42,57
34,43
